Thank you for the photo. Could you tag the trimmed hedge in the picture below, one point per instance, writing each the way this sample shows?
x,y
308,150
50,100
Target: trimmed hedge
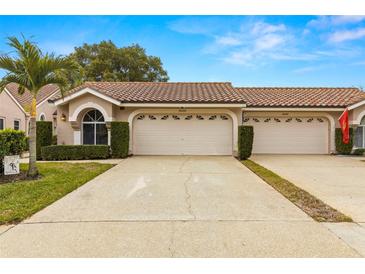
x,y
119,146
75,152
54,140
342,148
12,142
359,151
44,136
245,142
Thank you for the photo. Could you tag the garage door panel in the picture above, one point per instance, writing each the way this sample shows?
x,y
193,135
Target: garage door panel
x,y
197,135
304,135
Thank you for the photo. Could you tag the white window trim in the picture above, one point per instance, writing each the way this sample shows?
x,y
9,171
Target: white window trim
x,y
18,120
4,120
363,136
94,123
40,115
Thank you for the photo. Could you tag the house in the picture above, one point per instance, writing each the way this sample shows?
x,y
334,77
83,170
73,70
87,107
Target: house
x,y
14,108
203,118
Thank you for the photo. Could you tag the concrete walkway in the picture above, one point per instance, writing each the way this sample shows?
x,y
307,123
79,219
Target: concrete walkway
x,y
180,206
337,180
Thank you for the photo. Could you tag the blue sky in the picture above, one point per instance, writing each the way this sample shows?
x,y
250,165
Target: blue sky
x,y
244,50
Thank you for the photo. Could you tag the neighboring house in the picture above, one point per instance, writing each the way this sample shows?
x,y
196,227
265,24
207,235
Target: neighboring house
x,y
14,108
203,118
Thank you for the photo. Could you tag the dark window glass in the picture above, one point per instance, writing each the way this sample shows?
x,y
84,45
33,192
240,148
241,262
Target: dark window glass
x,y
1,124
101,134
359,137
88,134
16,125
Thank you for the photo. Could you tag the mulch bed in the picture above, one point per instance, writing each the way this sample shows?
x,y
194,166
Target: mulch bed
x,y
6,179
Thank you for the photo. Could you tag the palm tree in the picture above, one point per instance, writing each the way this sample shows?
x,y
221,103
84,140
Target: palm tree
x,y
32,70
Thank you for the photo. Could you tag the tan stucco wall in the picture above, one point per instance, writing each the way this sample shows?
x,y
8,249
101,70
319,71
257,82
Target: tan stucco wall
x,y
47,109
65,129
357,114
11,111
85,100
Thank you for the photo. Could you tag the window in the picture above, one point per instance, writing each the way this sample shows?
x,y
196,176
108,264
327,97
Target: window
x,y
360,134
16,124
2,123
94,130
42,117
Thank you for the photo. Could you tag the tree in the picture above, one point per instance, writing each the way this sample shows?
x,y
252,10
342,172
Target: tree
x,y
32,70
106,62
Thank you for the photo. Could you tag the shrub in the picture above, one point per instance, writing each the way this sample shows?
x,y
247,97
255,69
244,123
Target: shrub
x,y
44,136
119,139
26,143
12,142
342,148
359,151
75,152
54,140
245,141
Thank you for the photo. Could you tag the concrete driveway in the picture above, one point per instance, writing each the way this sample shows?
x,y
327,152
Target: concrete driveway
x,y
337,180
179,206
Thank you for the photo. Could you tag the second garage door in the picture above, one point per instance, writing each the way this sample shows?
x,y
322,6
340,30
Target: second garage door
x,y
182,134
289,135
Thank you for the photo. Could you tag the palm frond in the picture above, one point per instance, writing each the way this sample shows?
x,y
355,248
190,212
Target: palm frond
x,y
7,63
32,70
3,84
60,81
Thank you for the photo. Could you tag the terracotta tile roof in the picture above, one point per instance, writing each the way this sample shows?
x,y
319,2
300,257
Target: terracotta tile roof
x,y
25,100
301,97
166,92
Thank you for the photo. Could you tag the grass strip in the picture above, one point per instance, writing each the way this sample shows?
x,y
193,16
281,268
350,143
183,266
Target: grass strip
x,y
312,206
22,199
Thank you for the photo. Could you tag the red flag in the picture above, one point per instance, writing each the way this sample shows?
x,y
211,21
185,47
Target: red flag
x,y
344,123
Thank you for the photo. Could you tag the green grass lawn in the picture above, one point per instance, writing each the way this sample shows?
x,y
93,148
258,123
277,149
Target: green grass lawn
x,y
22,199
311,205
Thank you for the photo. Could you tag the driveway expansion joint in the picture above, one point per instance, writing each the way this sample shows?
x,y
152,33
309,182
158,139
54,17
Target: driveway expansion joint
x,y
172,241
188,196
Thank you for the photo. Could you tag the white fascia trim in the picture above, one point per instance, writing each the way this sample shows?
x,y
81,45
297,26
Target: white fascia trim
x,y
16,102
181,105
46,99
293,109
358,104
68,98
357,120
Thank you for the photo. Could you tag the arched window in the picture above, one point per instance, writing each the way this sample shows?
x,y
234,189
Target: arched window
x,y
360,134
94,130
42,117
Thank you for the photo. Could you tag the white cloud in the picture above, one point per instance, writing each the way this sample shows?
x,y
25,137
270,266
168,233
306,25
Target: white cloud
x,y
346,35
228,40
345,19
239,58
269,41
260,28
309,69
330,21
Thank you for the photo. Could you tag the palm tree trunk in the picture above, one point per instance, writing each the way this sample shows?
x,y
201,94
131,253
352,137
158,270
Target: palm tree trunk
x,y
33,170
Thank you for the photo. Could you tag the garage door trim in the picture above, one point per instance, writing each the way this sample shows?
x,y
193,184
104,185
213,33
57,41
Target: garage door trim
x,y
300,118
232,115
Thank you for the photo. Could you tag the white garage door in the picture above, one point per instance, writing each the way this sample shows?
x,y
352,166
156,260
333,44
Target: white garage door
x,y
187,134
289,135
